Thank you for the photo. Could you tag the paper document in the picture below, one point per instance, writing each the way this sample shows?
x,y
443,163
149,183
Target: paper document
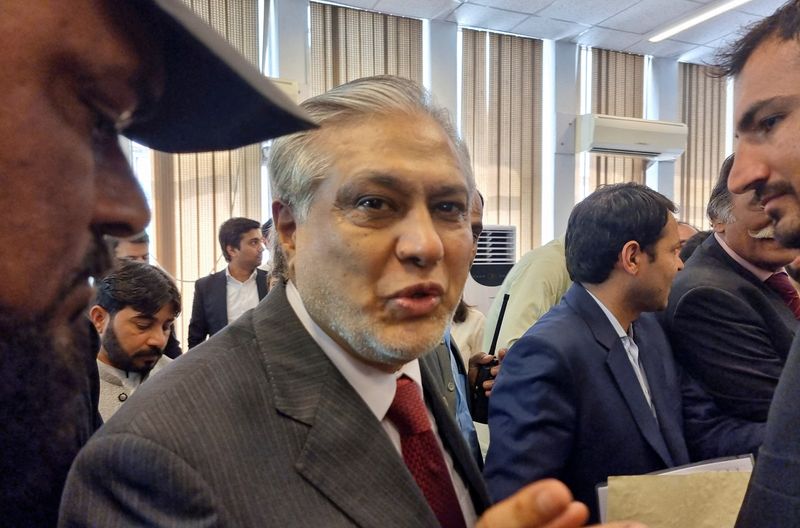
x,y
740,464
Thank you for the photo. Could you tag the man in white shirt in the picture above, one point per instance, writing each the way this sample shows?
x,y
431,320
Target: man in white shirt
x,y
591,390
133,314
313,409
222,297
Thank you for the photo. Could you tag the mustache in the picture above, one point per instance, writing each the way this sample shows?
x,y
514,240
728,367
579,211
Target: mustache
x,y
764,233
150,351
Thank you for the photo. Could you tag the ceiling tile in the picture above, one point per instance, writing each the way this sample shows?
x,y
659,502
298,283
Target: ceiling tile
x,y
762,8
418,8
607,39
699,55
520,6
486,17
546,28
717,27
362,4
585,11
641,17
665,48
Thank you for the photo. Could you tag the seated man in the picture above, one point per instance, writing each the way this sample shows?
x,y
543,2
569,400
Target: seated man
x,y
727,319
592,390
313,409
135,308
220,298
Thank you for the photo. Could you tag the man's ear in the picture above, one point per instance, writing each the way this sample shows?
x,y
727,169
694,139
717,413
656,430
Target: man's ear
x,y
99,317
718,227
630,257
285,226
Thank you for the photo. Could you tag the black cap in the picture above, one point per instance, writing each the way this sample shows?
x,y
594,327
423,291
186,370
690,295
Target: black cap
x,y
213,98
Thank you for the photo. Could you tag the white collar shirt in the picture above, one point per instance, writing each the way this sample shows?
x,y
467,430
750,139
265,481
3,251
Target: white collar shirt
x,y
377,388
241,296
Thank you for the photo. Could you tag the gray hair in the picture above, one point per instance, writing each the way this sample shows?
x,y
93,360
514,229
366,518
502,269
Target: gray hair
x,y
720,203
297,166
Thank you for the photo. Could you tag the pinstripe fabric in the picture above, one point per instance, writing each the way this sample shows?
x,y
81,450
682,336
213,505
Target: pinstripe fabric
x,y
255,427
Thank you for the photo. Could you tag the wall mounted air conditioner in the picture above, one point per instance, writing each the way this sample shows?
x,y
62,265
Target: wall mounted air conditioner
x,y
629,136
497,253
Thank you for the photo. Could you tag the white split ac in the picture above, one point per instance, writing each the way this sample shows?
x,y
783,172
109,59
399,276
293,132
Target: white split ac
x,y
629,136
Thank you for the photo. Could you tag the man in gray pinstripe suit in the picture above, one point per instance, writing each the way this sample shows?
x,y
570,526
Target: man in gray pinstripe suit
x,y
288,427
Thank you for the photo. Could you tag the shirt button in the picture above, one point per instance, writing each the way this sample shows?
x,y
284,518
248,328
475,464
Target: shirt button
x,y
451,386
122,396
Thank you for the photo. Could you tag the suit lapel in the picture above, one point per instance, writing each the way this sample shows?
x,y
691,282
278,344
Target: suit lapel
x,y
347,455
621,369
261,283
219,301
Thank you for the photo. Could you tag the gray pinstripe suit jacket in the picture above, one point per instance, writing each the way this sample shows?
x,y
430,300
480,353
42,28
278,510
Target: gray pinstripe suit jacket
x,y
266,434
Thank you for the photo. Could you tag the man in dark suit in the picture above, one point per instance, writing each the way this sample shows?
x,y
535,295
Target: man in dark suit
x,y
591,390
729,327
764,64
220,298
308,410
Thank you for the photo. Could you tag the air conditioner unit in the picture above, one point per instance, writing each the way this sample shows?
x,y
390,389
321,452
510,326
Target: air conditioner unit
x,y
497,249
629,136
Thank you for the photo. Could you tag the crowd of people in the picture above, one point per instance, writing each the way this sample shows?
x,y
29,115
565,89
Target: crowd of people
x,y
335,389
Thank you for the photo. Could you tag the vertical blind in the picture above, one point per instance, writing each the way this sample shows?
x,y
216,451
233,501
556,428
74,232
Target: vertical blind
x,y
702,100
501,122
617,89
197,192
347,44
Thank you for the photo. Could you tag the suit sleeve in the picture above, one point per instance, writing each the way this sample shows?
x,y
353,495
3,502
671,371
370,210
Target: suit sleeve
x,y
198,327
532,417
773,496
113,483
723,343
709,432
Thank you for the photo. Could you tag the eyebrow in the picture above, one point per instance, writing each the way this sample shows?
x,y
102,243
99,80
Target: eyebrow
x,y
394,183
748,119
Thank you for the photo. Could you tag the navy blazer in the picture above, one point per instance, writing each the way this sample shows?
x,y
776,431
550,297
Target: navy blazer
x,y
210,305
567,404
729,331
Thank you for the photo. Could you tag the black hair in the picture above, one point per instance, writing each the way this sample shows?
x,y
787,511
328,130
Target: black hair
x,y
720,203
231,231
606,220
266,227
143,287
693,243
113,241
783,24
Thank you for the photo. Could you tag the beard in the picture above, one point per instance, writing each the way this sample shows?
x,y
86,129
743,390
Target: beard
x,y
360,334
120,358
48,384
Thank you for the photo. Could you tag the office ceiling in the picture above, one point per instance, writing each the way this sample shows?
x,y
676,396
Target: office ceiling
x,y
622,25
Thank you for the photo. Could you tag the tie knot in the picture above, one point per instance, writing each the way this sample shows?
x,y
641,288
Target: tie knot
x,y
407,411
780,282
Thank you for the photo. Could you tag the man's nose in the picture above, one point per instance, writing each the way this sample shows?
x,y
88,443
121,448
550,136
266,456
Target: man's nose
x,y
120,208
748,169
158,337
419,241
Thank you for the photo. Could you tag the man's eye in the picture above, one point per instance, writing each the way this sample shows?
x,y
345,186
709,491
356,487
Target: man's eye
x,y
372,203
768,123
103,129
451,208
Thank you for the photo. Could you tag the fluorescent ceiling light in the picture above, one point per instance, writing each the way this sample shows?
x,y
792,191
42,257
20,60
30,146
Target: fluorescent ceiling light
x,y
705,14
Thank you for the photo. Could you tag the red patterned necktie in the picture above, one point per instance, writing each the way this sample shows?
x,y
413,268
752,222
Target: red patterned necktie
x,y
422,454
781,284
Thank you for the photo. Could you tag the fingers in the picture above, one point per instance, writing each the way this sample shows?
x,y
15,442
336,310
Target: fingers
x,y
501,354
544,504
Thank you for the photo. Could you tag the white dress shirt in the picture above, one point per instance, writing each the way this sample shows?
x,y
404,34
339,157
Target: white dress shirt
x,y
242,296
377,389
631,349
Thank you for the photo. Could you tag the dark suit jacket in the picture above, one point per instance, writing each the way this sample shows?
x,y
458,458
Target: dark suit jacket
x,y
268,433
773,496
567,404
729,331
210,305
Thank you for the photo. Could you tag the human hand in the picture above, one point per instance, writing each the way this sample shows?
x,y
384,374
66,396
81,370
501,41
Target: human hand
x,y
481,358
544,504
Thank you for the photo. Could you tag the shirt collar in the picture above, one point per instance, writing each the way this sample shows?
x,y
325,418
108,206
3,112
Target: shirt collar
x,y
376,387
611,318
230,277
760,273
